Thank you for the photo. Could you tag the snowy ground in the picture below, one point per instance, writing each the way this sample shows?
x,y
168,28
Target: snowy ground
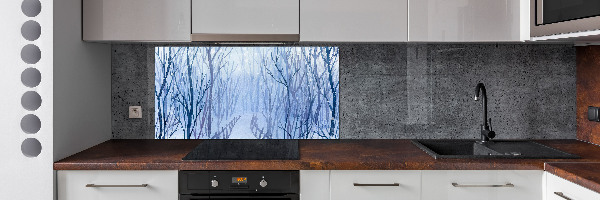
x,y
241,130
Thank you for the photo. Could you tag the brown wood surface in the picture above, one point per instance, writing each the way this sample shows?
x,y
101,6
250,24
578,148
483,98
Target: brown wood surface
x,y
584,174
588,92
314,155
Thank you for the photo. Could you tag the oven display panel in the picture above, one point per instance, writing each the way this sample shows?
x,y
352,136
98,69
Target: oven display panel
x,y
239,180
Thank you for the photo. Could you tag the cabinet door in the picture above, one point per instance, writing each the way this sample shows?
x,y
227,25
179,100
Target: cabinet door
x,y
468,20
136,20
482,184
245,16
561,189
375,185
117,185
314,185
354,20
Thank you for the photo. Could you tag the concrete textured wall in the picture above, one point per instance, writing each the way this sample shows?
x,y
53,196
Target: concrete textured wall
x,y
394,91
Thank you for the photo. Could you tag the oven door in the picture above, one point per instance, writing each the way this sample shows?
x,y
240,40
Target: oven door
x,y
238,197
555,11
553,17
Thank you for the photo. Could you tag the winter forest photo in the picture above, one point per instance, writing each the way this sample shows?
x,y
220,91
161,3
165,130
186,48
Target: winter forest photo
x,y
246,92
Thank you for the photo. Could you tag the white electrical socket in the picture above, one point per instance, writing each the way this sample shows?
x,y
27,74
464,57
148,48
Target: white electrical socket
x,y
135,112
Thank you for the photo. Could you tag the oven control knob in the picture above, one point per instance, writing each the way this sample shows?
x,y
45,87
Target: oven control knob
x,y
263,183
214,183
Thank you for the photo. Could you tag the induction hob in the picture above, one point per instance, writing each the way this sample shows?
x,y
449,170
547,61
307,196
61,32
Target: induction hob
x,y
245,150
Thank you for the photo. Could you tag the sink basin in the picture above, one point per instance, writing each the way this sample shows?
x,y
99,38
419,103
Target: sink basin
x,y
495,149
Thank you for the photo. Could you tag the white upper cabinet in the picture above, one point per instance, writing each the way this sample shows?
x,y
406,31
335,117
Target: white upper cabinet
x,y
468,20
354,20
307,20
136,20
245,20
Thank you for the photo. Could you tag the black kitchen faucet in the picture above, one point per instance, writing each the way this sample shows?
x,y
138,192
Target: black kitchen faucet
x,y
486,129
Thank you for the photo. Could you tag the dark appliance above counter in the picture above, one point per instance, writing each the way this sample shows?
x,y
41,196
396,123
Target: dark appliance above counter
x,y
556,19
245,150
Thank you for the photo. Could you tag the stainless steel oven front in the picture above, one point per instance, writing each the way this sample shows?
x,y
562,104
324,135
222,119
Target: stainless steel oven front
x,y
553,17
237,185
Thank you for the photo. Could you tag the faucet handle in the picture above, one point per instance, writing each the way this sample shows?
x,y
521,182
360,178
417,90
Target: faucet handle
x,y
492,133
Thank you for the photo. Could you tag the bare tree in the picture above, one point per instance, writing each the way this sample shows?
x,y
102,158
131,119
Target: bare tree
x,y
330,56
166,119
280,92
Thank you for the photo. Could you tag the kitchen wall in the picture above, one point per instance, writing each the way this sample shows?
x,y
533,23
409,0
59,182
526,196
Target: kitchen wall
x,y
588,92
408,90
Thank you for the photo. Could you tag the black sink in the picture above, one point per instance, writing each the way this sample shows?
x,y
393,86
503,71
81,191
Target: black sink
x,y
493,149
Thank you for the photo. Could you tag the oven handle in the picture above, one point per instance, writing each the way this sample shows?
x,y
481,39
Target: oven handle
x,y
250,197
192,197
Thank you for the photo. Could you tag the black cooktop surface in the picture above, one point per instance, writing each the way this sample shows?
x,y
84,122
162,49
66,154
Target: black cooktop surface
x,y
245,150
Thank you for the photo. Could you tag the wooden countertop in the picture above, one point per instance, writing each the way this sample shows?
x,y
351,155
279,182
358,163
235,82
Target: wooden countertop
x,y
314,155
581,173
332,155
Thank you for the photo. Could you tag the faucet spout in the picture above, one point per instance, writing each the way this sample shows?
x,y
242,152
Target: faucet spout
x,y
486,132
481,88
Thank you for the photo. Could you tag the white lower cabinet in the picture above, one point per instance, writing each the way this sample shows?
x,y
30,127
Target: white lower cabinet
x,y
117,185
340,185
482,184
314,184
561,189
375,185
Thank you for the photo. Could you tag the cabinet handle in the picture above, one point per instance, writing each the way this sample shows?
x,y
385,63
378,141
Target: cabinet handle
x,y
94,185
560,194
361,184
505,185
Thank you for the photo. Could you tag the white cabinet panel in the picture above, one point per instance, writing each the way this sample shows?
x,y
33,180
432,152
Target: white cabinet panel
x,y
314,185
408,184
438,185
136,20
246,16
162,185
354,20
468,20
27,176
567,189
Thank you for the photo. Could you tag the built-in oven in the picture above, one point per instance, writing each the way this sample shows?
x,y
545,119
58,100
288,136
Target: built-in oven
x,y
235,185
554,17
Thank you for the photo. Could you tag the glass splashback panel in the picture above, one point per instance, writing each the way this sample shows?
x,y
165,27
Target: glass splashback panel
x,y
223,92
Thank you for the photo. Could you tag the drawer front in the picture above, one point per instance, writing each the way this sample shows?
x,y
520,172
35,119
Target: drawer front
x,y
566,190
314,184
377,185
482,184
161,185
